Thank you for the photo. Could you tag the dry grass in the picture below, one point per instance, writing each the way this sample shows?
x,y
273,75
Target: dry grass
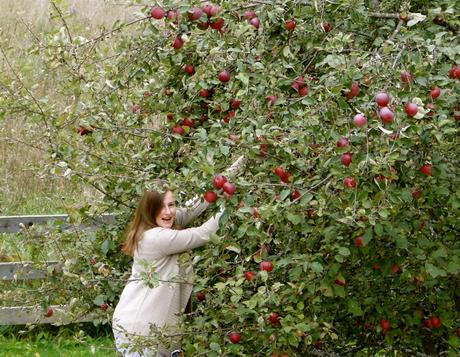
x,y
23,190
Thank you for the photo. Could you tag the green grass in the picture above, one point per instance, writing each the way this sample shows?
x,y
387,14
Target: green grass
x,y
45,343
54,347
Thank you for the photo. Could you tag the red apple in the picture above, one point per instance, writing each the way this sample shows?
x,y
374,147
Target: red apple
x,y
188,122
382,99
349,182
188,68
416,194
201,296
458,332
346,159
428,324
172,14
178,43
427,170
229,188
49,312
255,22
204,93
385,325
266,266
387,115
406,76
298,83
157,13
219,181
104,306
342,142
249,275
274,318
279,171
411,109
435,321
290,25
210,10
263,150
178,130
376,266
217,24
454,72
395,268
435,93
229,116
354,91
303,91
295,195
286,177
340,281
83,131
224,76
249,14
195,14
359,241
235,337
359,120
210,196
235,104
272,99
326,26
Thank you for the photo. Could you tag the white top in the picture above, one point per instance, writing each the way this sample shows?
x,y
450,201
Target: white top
x,y
141,306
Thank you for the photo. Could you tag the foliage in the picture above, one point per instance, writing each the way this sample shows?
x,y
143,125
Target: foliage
x,y
112,132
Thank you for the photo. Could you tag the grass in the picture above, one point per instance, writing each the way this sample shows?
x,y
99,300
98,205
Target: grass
x,y
56,342
27,185
52,347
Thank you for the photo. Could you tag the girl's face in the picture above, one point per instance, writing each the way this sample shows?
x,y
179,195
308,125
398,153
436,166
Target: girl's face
x,y
167,215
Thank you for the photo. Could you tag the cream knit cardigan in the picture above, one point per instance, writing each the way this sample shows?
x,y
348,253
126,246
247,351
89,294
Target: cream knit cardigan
x,y
141,306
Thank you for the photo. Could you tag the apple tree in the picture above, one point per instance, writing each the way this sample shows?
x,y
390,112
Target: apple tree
x,y
341,232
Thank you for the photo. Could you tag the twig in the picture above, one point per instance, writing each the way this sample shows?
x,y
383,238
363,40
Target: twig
x,y
63,21
42,113
380,15
113,31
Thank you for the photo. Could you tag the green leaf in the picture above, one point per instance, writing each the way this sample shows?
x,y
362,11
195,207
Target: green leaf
x,y
243,77
354,307
401,242
367,237
296,219
99,300
434,271
105,246
378,228
344,251
316,267
215,347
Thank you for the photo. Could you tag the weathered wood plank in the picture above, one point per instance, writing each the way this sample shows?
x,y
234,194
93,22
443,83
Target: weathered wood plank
x,y
20,315
12,224
26,270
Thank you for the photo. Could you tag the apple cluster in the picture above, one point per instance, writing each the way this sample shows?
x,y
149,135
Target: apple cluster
x,y
220,182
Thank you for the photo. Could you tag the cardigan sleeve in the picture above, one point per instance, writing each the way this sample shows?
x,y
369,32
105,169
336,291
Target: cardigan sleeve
x,y
185,215
171,241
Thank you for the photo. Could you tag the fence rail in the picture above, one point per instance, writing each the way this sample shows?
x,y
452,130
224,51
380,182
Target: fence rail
x,y
12,224
13,271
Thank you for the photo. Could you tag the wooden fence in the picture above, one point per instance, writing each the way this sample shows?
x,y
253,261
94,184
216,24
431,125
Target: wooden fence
x,y
14,271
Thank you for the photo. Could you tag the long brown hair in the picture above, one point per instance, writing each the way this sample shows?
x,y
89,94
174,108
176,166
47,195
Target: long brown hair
x,y
149,206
